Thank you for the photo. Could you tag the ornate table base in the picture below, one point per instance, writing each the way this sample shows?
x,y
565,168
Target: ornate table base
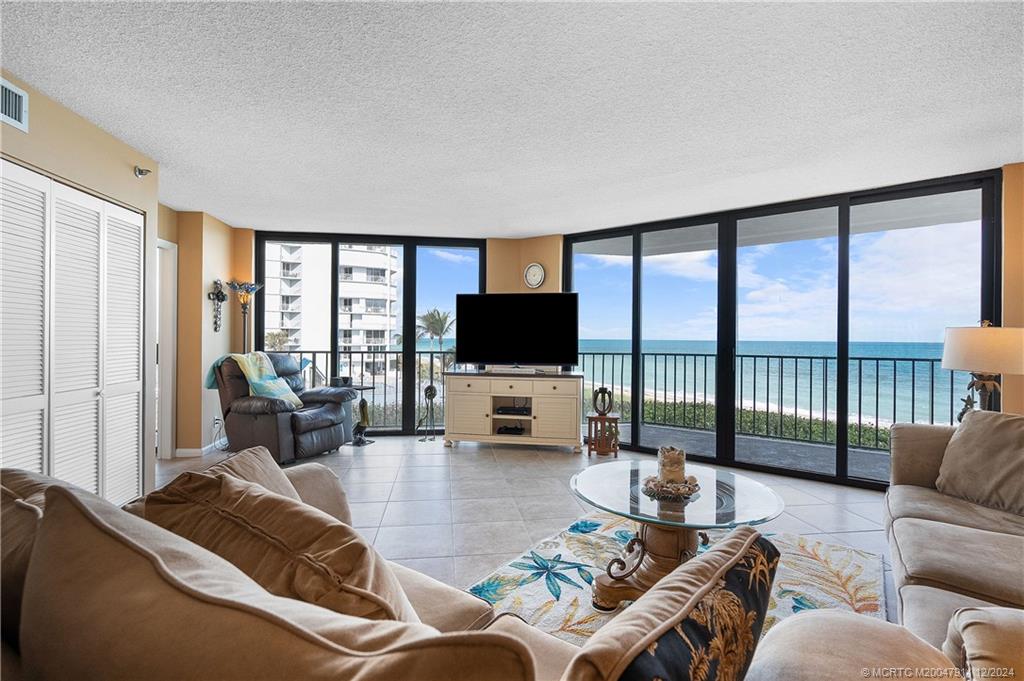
x,y
650,555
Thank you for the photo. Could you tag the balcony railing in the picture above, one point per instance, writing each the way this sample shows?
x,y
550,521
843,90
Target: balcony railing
x,y
781,397
383,370
785,397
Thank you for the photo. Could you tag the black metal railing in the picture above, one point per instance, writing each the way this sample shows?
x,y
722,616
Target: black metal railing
x,y
383,370
786,397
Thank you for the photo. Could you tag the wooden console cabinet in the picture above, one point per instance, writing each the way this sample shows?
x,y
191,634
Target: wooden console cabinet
x,y
473,402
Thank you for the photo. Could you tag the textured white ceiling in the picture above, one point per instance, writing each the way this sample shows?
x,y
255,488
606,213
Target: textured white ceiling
x,y
523,119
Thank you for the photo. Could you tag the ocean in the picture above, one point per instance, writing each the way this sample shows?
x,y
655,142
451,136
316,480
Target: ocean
x,y
889,382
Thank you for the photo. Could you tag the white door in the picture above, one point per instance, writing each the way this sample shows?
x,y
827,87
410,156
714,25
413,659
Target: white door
x,y
121,354
75,357
24,212
166,354
71,280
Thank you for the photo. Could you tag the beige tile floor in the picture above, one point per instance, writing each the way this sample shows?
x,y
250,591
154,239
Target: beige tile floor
x,y
457,514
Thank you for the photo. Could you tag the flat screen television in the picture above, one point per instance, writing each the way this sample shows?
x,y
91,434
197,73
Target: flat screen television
x,y
517,328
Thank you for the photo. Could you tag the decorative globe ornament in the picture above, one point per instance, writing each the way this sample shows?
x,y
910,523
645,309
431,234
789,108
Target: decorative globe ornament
x,y
603,400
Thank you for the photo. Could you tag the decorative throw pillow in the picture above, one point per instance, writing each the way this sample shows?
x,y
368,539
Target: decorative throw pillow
x,y
289,548
984,461
257,464
263,378
702,621
111,596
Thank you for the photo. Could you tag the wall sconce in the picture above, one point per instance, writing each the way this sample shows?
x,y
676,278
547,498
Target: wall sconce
x,y
218,296
141,172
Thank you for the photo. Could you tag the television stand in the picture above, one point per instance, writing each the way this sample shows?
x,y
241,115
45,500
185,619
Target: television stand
x,y
545,406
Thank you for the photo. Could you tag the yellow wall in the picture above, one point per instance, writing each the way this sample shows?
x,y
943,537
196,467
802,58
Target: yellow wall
x,y
167,227
208,250
1013,272
507,258
65,146
243,250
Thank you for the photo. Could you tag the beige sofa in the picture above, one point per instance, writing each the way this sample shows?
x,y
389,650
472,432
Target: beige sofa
x,y
947,553
251,634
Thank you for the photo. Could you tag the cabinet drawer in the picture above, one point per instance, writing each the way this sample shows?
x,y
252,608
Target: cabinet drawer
x,y
556,388
511,387
468,385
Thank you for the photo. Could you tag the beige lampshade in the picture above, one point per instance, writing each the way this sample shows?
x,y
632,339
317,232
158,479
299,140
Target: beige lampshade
x,y
986,350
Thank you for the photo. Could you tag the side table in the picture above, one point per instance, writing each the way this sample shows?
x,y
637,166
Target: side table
x,y
603,434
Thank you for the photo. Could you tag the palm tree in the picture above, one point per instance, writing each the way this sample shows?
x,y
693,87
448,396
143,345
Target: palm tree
x,y
435,324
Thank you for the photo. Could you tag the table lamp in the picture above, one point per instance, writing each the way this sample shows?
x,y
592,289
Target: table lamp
x,y
986,351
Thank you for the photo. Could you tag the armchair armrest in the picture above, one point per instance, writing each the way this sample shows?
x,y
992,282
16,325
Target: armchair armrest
x,y
258,406
916,453
323,394
319,487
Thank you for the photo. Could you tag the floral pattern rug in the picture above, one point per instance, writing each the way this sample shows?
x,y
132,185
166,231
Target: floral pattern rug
x,y
550,585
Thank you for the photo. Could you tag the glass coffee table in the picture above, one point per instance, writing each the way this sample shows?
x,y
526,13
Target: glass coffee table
x,y
669,530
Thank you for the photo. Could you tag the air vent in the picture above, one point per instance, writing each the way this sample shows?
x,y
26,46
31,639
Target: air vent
x,y
13,105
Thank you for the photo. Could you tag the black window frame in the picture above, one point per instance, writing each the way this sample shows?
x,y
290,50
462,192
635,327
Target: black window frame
x,y
409,249
988,181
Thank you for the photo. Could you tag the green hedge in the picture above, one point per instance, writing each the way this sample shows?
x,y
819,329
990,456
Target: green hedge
x,y
748,422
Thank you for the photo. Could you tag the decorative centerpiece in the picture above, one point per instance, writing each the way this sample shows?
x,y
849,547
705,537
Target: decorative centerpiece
x,y
671,483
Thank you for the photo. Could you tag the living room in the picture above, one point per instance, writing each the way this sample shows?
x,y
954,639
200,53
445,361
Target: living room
x,y
512,340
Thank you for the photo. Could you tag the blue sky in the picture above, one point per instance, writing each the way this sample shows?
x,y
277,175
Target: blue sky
x,y
443,272
905,285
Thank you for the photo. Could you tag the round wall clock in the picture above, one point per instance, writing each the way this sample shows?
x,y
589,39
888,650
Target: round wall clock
x,y
533,275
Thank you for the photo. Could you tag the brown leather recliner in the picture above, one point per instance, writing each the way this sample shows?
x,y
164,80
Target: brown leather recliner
x,y
323,423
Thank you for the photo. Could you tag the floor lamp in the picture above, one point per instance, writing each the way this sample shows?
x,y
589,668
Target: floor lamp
x,y
245,291
986,351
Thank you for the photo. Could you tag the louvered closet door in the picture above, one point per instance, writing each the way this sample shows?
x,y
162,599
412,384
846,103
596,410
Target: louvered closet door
x,y
76,343
24,208
122,355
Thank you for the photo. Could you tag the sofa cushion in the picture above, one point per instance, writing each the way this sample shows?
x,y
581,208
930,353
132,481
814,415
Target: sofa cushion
x,y
677,630
18,521
984,461
911,501
257,465
925,610
977,563
320,488
441,606
832,645
552,655
986,641
27,486
148,604
290,548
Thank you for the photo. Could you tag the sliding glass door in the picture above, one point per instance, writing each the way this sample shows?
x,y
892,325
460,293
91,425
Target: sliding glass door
x,y
915,268
370,326
379,313
786,349
442,273
602,274
790,337
679,329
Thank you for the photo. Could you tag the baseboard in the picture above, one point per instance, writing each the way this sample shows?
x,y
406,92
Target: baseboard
x,y
219,446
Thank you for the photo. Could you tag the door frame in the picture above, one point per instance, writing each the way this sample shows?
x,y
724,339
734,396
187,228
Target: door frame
x,y
988,181
167,353
409,246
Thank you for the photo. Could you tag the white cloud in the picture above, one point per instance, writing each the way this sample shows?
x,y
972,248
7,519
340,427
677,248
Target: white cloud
x,y
910,284
452,256
697,266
